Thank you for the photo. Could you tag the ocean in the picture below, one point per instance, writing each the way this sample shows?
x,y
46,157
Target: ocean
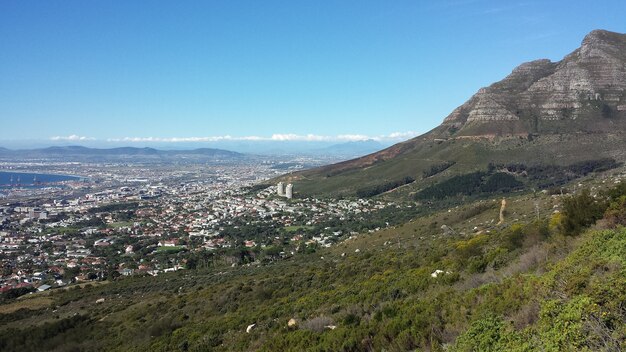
x,y
10,179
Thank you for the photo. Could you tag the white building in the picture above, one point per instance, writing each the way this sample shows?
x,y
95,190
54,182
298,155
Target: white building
x,y
280,189
289,191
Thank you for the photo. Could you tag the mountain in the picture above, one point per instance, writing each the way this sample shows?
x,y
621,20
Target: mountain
x,y
79,150
543,113
295,147
355,148
80,153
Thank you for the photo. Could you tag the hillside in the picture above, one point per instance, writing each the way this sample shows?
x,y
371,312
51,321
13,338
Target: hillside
x,y
539,281
543,113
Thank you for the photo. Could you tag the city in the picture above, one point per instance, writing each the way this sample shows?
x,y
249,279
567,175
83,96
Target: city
x,y
122,220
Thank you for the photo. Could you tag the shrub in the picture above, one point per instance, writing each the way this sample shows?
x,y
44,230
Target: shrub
x,y
580,211
437,168
486,334
382,188
317,324
501,182
616,213
15,292
467,184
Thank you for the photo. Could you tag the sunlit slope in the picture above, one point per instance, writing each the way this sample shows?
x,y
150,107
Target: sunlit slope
x,y
542,113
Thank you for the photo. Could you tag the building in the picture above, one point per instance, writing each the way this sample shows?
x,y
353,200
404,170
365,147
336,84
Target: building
x,y
280,189
43,288
289,191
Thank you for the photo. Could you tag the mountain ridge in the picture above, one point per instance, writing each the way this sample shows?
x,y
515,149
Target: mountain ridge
x,y
87,152
542,112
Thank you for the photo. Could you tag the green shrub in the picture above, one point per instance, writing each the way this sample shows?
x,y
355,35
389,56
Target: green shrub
x,y
487,334
501,182
580,211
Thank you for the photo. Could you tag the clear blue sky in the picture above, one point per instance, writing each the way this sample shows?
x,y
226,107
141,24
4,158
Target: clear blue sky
x,y
124,69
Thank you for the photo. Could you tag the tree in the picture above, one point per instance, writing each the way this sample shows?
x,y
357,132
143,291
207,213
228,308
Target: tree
x,y
580,211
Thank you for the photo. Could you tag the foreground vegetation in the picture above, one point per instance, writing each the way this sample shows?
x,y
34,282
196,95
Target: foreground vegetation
x,y
545,283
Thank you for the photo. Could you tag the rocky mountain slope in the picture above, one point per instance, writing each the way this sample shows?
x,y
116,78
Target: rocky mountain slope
x,y
549,113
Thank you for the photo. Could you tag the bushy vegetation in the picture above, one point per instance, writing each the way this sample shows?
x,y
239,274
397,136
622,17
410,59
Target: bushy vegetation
x,y
615,214
467,184
256,188
584,209
580,211
500,182
545,176
437,168
114,207
371,191
522,287
14,293
499,178
60,334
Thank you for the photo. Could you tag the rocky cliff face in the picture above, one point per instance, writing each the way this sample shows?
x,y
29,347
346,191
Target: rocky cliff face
x,y
542,113
588,85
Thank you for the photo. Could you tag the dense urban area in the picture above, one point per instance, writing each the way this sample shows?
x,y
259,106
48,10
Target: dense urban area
x,y
130,219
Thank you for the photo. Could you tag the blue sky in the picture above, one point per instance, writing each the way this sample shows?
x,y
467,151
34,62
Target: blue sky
x,y
135,72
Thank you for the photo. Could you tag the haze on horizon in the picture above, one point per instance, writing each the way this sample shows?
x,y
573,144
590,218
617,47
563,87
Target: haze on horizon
x,y
123,73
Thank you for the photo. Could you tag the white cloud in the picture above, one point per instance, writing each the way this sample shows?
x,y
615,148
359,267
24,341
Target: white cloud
x,y
296,137
277,137
353,137
72,137
402,135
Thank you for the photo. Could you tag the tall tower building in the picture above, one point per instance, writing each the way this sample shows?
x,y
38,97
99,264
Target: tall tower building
x,y
280,190
289,191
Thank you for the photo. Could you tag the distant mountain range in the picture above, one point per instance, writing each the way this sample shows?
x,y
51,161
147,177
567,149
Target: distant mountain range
x,y
352,149
338,151
73,153
543,113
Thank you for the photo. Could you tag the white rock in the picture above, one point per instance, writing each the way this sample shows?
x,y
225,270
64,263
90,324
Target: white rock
x,y
436,273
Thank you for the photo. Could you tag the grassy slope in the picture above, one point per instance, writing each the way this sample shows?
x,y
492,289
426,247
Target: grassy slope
x,y
469,155
541,293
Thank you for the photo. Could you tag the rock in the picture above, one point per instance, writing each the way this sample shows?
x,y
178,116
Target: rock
x,y
436,273
552,91
447,230
502,210
292,323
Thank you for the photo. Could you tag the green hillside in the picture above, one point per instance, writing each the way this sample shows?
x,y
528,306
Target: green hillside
x,y
531,283
465,156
